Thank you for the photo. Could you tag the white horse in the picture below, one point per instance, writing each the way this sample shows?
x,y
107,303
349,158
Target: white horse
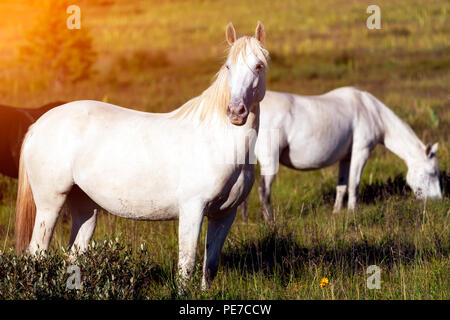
x,y
342,125
146,166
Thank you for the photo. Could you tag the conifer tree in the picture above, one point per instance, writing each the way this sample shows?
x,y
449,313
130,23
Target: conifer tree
x,y
54,52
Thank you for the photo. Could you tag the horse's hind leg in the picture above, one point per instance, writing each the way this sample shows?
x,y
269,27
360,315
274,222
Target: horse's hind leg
x,y
84,219
244,208
264,191
341,188
48,208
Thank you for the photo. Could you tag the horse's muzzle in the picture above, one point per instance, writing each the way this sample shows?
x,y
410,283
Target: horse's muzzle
x,y
237,114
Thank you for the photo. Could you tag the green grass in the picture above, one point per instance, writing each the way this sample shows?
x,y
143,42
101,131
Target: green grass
x,y
155,55
408,240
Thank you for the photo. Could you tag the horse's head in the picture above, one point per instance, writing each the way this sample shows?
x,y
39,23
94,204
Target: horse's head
x,y
423,175
246,64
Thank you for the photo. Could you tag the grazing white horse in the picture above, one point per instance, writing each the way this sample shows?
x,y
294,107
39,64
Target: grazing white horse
x,y
147,166
343,126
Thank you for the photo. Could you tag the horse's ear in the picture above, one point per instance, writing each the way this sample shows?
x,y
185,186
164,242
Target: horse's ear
x,y
260,32
230,34
431,150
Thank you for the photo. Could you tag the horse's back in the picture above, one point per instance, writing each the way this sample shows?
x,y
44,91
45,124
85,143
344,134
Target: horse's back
x,y
367,116
319,129
36,113
86,119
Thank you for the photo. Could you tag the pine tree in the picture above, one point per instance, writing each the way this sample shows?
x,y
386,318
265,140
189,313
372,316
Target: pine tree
x,y
53,51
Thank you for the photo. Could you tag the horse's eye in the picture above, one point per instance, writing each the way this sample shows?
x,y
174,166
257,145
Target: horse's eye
x,y
259,67
227,66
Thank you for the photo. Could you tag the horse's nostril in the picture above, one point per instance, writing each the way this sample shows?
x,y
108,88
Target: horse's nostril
x,y
241,109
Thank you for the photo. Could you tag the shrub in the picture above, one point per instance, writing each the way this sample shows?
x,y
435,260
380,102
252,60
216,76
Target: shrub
x,y
109,270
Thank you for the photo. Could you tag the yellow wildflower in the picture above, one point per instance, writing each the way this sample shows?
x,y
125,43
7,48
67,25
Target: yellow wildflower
x,y
324,282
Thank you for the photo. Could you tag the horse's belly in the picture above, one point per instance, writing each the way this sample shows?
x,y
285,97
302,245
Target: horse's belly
x,y
130,194
145,210
310,154
126,206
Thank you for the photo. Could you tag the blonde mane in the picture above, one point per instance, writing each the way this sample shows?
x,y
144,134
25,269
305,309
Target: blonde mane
x,y
214,100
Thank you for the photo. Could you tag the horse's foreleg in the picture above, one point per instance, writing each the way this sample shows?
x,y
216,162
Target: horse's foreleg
x,y
244,208
358,161
264,191
189,226
217,232
341,188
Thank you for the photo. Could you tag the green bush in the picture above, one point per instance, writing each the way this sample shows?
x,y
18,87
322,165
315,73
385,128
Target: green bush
x,y
109,270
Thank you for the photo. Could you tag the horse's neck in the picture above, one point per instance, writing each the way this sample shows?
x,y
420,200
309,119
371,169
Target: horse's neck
x,y
400,138
253,118
239,141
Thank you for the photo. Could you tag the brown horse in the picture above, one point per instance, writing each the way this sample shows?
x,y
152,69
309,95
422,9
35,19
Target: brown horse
x,y
14,123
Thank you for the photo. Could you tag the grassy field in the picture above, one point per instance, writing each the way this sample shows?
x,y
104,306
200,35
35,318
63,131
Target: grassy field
x,y
155,55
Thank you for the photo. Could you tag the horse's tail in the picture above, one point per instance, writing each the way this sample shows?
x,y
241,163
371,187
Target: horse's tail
x,y
25,207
